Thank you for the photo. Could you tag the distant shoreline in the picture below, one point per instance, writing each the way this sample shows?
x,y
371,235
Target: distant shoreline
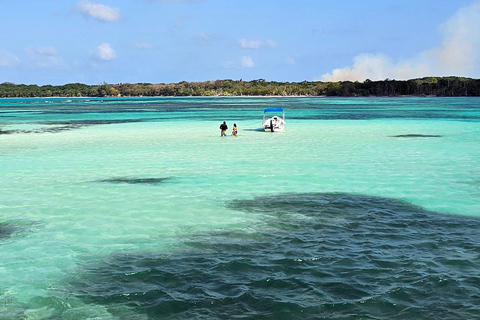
x,y
111,97
422,87
65,99
232,96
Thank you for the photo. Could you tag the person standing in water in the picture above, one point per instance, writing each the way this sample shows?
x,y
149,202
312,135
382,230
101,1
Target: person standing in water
x,y
223,129
235,130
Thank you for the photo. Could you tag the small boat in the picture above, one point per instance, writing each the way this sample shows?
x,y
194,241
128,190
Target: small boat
x,y
274,123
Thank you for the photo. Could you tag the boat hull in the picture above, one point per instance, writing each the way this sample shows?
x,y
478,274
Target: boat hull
x,y
274,124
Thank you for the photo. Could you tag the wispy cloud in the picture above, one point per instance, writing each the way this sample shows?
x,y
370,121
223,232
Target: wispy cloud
x,y
460,48
176,0
458,54
7,59
98,11
203,38
243,62
271,44
290,61
103,52
246,62
249,44
44,57
143,45
256,44
379,67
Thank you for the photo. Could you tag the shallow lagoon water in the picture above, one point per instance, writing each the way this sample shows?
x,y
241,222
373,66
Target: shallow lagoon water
x,y
136,208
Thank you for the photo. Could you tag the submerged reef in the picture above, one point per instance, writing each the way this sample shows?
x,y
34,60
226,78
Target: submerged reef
x,y
42,130
135,180
59,126
310,255
416,135
6,230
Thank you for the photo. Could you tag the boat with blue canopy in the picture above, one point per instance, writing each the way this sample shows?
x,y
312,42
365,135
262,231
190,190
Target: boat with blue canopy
x,y
272,122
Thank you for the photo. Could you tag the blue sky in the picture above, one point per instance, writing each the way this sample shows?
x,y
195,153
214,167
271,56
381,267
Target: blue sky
x,y
159,41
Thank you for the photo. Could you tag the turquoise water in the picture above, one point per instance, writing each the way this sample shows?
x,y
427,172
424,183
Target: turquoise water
x,y
135,208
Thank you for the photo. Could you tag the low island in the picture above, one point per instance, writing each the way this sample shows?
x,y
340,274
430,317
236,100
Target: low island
x,y
428,86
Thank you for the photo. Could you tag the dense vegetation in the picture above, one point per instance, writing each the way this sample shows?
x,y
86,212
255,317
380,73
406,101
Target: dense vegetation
x,y
430,86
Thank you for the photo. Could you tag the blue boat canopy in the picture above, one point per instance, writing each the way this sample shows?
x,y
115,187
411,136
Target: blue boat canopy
x,y
274,110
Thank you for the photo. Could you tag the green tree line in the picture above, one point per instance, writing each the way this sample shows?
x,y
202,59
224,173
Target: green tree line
x,y
428,86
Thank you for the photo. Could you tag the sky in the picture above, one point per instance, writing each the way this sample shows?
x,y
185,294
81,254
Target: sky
x,y
164,41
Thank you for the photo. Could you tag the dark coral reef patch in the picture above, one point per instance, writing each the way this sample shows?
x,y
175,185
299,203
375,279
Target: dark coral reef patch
x,y
310,256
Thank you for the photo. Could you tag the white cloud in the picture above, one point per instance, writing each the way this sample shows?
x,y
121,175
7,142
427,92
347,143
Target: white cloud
x,y
246,62
379,67
7,59
458,54
460,48
243,62
98,11
256,44
249,44
104,52
44,57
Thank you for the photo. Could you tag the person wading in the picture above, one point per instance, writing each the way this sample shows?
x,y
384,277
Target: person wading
x,y
223,129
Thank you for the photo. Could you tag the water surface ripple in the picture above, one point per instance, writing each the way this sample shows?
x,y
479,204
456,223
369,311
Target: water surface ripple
x,y
136,208
315,255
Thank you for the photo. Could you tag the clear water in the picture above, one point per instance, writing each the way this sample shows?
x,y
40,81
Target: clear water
x,y
137,209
